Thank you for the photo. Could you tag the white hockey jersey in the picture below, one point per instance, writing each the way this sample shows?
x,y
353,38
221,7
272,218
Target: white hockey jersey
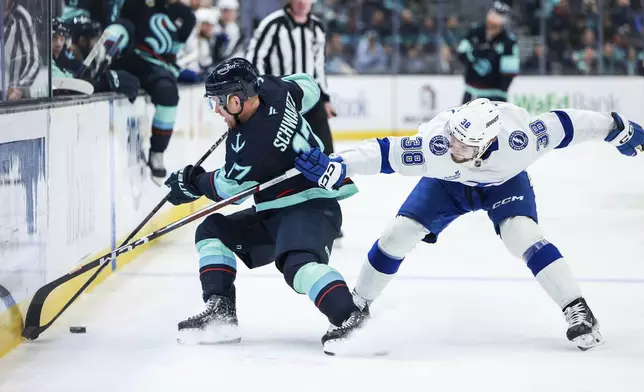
x,y
522,140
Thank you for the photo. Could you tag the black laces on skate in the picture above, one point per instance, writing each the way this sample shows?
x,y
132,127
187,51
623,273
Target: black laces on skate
x,y
210,305
349,323
576,314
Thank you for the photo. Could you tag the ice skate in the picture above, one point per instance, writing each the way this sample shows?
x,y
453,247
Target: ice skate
x,y
157,167
583,327
337,340
217,324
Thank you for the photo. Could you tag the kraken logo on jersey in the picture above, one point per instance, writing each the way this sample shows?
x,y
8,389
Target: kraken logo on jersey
x,y
162,27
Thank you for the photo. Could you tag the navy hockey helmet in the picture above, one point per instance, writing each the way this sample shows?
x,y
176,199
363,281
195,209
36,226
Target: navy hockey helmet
x,y
59,28
83,26
236,76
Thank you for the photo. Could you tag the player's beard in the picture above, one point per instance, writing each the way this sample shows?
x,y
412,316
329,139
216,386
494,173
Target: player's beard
x,y
459,159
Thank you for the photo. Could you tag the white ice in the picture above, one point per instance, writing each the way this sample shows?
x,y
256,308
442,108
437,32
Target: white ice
x,y
462,315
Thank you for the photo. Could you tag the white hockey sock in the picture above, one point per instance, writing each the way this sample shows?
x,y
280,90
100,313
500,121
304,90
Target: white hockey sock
x,y
557,280
371,282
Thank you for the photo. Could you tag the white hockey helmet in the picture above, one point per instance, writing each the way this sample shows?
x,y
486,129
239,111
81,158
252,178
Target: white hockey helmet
x,y
473,127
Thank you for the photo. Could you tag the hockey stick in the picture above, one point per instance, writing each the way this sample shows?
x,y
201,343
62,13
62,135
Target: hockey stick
x,y
34,312
32,321
80,73
165,199
109,56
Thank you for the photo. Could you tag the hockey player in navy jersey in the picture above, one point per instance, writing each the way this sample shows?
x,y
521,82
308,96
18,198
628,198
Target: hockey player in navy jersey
x,y
474,158
152,32
149,34
293,223
490,53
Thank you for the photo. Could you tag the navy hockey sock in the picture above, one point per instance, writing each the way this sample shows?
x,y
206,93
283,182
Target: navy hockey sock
x,y
217,268
162,127
324,286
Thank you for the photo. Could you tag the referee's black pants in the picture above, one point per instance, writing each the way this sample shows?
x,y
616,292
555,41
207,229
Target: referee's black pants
x,y
319,122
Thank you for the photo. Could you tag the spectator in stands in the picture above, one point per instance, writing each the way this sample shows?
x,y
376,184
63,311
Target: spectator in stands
x,y
196,56
429,39
382,27
336,59
633,61
370,54
621,39
409,31
585,58
228,39
334,13
21,57
614,63
531,65
415,63
558,32
453,32
622,14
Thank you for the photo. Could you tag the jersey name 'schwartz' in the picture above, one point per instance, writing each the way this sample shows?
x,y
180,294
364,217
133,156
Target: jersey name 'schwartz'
x,y
287,126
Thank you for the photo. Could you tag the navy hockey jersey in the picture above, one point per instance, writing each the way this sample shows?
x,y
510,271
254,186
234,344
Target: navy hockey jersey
x,y
266,145
161,29
491,64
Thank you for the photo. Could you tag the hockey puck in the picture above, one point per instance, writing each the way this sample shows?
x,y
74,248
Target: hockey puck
x,y
77,329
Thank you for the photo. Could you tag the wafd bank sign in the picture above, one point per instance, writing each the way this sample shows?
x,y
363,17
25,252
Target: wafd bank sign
x,y
374,105
604,94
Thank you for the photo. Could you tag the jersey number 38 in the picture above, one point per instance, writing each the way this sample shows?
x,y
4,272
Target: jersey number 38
x,y
412,151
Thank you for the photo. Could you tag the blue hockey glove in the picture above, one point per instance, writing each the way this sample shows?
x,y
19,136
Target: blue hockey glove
x,y
627,136
182,186
318,167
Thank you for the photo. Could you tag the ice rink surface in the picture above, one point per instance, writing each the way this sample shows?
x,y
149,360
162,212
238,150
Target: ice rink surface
x,y
462,315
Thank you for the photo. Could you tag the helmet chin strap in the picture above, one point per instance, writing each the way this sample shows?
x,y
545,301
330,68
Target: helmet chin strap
x,y
236,115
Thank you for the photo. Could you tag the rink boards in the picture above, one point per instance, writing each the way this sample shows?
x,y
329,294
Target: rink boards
x,y
73,183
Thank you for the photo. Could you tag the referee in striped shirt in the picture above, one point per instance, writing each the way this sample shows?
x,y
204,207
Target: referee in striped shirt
x,y
292,40
21,57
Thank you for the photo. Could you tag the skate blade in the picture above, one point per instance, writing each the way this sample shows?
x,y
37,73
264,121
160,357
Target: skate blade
x,y
360,343
351,348
588,341
221,334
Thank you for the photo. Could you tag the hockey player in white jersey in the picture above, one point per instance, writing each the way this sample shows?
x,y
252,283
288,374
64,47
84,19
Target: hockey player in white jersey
x,y
474,157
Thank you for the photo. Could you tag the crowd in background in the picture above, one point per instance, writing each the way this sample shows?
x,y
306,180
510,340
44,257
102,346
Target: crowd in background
x,y
569,37
420,37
